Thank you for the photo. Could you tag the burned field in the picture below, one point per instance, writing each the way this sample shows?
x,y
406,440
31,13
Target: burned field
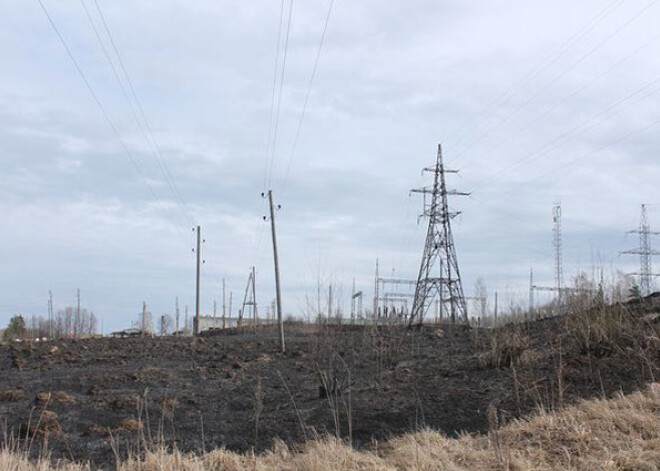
x,y
102,398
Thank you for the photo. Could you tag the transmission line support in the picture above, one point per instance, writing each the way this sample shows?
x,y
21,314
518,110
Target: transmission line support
x,y
645,252
439,276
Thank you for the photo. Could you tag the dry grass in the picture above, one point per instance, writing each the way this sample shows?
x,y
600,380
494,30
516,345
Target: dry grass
x,y
616,434
11,395
57,397
507,347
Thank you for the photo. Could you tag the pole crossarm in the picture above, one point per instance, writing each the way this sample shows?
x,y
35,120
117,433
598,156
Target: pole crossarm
x,y
395,298
640,252
397,295
429,191
397,281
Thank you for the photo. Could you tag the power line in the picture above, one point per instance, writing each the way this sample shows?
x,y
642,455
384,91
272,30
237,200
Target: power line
x,y
272,102
505,97
99,104
558,77
260,229
572,94
559,140
599,149
563,166
309,90
279,99
148,133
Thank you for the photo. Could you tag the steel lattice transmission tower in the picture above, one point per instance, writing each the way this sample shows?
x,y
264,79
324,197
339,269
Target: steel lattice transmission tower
x,y
556,242
645,252
439,275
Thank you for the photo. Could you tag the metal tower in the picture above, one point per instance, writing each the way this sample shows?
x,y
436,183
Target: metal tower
x,y
556,242
438,273
645,252
249,301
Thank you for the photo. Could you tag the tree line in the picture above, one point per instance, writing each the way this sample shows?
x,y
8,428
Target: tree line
x,y
66,323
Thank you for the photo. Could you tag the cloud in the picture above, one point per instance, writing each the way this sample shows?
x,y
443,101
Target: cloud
x,y
505,87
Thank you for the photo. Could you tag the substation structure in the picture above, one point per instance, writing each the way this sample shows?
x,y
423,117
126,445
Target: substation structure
x,y
392,299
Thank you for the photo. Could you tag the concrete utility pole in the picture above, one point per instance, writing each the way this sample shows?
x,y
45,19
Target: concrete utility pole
x,y
224,306
277,271
495,312
353,302
50,314
176,315
318,291
144,318
77,326
376,292
197,281
530,310
231,298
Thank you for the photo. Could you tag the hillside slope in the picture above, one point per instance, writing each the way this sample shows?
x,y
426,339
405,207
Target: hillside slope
x,y
616,434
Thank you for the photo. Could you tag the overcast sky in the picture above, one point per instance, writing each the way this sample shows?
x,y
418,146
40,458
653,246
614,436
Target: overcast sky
x,y
534,102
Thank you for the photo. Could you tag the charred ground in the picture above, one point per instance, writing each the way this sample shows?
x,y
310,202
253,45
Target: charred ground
x,y
98,398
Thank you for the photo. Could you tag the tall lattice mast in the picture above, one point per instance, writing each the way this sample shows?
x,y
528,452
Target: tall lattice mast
x,y
645,252
439,275
556,242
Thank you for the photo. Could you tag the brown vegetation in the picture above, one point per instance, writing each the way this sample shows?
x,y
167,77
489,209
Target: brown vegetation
x,y
357,384
616,434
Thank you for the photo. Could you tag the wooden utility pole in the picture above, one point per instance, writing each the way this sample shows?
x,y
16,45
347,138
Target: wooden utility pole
x,y
277,271
197,280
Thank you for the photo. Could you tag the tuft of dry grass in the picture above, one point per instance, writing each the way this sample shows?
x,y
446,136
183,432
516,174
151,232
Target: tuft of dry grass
x,y
507,347
130,424
11,395
57,397
616,434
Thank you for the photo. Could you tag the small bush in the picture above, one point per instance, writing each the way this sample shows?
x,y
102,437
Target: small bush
x,y
599,332
507,346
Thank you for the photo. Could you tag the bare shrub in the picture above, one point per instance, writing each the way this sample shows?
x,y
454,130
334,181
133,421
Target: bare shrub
x,y
507,346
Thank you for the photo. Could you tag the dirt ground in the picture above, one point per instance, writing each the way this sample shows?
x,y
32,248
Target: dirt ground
x,y
98,398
